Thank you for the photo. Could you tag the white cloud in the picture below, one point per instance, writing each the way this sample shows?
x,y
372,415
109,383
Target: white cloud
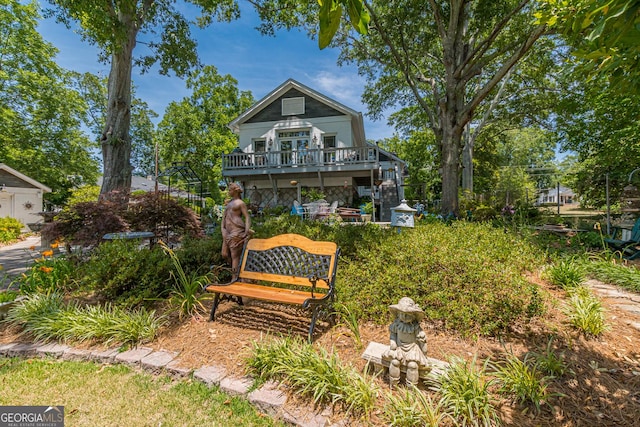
x,y
345,86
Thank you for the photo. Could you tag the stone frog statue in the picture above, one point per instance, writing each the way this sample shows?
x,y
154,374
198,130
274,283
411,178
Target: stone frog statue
x,y
408,342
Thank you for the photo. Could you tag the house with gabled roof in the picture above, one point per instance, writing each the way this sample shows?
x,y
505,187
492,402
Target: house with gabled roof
x,y
21,197
296,139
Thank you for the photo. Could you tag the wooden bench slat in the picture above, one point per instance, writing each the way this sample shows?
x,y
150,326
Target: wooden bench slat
x,y
250,290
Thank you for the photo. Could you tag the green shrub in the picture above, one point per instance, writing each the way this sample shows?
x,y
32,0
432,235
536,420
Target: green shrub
x,y
348,238
468,276
123,272
10,229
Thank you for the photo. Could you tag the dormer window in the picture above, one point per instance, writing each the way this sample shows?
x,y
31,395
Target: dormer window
x,y
292,106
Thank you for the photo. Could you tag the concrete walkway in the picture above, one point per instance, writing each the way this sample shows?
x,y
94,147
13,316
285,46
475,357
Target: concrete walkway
x,y
16,258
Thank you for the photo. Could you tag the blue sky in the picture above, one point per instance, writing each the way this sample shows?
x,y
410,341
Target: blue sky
x,y
259,64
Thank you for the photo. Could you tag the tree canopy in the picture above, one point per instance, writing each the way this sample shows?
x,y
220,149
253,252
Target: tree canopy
x,y
604,35
116,28
195,129
443,58
40,112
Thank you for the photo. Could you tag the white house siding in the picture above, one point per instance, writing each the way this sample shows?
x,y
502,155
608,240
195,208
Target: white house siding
x,y
24,204
20,196
340,126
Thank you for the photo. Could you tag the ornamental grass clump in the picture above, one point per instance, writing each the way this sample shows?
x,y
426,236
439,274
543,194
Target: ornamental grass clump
x,y
187,295
465,391
522,380
550,362
313,373
47,318
586,313
566,273
411,407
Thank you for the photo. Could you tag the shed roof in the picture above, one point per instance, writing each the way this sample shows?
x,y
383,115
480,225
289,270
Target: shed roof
x,y
22,177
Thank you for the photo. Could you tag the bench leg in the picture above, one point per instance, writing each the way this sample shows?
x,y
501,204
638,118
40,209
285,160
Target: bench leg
x,y
216,301
314,318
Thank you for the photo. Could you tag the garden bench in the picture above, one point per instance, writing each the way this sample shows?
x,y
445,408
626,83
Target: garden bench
x,y
287,269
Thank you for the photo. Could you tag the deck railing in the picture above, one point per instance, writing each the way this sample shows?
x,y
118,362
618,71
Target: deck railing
x,y
315,157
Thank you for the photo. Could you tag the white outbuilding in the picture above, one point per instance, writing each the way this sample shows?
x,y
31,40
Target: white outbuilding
x,y
20,196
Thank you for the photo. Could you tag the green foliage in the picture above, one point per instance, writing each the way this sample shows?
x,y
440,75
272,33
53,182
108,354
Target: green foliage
x,y
602,34
41,114
522,380
549,362
313,373
8,295
311,194
464,388
453,276
348,318
567,273
121,271
10,229
47,275
349,239
585,312
195,129
187,293
46,317
86,193
626,276
410,407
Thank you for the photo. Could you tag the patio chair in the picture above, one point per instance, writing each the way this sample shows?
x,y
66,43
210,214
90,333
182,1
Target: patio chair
x,y
630,248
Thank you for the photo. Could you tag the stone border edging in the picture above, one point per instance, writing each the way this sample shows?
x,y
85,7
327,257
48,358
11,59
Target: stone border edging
x,y
267,398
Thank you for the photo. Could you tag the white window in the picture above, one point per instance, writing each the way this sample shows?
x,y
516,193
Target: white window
x,y
259,146
292,106
329,141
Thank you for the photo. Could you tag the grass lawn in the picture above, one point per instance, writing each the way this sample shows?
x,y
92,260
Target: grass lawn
x,y
116,395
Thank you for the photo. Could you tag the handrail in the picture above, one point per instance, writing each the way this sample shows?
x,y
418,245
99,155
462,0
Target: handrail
x,y
308,157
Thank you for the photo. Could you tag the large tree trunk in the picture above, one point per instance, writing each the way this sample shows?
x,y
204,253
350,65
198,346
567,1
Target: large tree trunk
x,y
450,167
467,162
116,142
